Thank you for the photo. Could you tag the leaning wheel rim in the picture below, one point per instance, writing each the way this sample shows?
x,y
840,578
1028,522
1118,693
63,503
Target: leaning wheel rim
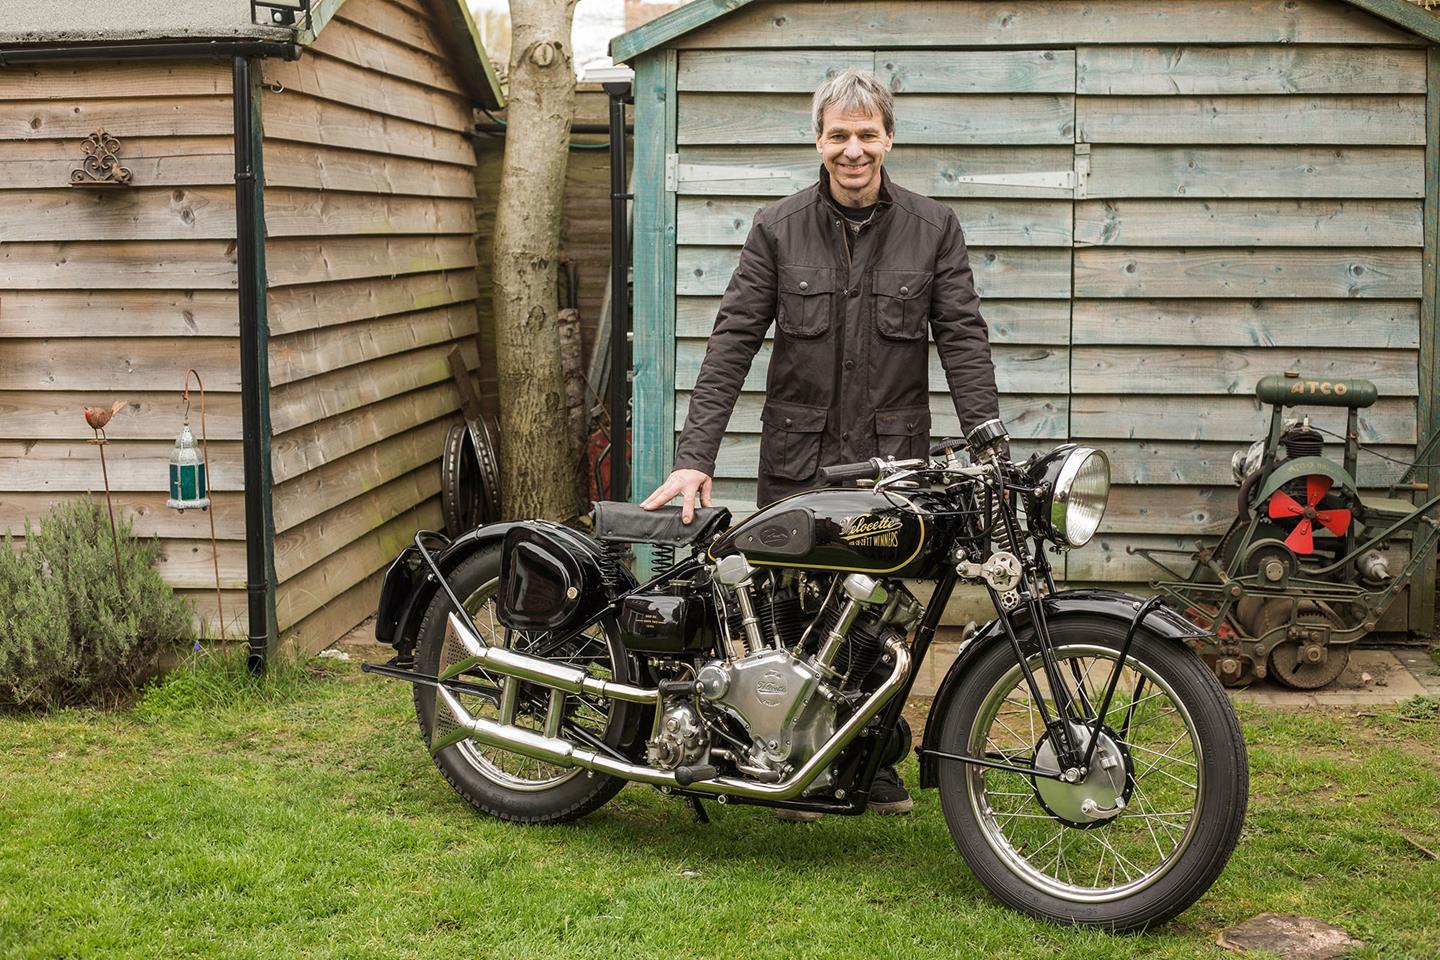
x,y
507,769
1115,859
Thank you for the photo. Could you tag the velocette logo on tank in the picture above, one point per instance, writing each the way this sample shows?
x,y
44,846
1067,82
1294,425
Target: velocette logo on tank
x,y
870,531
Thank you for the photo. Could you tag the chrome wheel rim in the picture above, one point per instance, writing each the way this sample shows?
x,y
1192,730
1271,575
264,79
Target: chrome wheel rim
x,y
1110,859
503,767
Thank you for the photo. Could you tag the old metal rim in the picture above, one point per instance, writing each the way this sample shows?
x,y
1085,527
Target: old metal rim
x,y
503,767
1159,827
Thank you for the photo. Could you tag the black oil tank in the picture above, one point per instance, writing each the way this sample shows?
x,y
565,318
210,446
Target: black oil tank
x,y
857,530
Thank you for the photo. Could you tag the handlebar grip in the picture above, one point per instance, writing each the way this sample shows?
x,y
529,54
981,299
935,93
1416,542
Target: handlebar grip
x,y
843,472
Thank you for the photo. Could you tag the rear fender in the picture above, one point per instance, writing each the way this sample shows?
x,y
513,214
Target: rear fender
x,y
1162,622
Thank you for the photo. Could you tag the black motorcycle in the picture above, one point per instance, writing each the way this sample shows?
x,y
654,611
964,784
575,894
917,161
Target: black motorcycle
x,y
1090,767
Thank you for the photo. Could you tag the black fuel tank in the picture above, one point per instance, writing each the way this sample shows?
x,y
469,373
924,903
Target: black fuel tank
x,y
852,529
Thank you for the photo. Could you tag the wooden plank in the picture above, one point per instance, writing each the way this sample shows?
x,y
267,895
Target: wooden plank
x,y
1104,559
1245,223
191,563
1030,417
151,415
1175,510
313,352
295,260
778,171
1226,370
312,446
1362,120
146,511
104,364
134,465
1242,171
153,162
1208,71
1036,369
91,265
335,619
314,541
307,307
1010,321
303,119
326,168
1421,604
974,71
294,405
1265,272
108,80
710,118
355,563
1188,462
1031,23
996,223
301,213
120,313
139,213
764,71
339,81
1238,418
1003,272
1362,324
332,484
122,118
382,54
397,23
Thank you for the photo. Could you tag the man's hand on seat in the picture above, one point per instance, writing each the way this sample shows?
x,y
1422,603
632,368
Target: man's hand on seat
x,y
686,483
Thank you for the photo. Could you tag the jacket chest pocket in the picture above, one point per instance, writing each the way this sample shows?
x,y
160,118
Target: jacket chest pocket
x,y
902,303
806,298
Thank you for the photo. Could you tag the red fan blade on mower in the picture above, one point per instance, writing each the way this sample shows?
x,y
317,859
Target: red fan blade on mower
x,y
1336,521
1316,486
1300,540
1284,505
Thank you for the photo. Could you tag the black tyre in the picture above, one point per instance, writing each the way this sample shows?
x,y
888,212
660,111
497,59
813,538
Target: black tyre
x,y
497,782
1153,822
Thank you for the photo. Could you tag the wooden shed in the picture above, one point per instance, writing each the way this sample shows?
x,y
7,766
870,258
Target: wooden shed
x,y
1163,201
298,226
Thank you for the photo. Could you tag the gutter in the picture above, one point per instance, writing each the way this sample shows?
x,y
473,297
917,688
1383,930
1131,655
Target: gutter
x,y
251,281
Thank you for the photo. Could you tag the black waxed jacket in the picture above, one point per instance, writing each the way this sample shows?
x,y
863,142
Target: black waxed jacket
x,y
849,371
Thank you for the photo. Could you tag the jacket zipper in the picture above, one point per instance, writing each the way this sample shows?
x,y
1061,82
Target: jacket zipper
x,y
838,395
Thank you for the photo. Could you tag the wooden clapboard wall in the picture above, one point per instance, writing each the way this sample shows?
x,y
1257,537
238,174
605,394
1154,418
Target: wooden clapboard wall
x,y
369,212
111,293
1247,197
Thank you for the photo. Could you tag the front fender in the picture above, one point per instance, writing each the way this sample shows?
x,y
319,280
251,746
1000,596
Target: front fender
x,y
1162,622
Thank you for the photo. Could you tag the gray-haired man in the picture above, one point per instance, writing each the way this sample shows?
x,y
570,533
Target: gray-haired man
x,y
853,271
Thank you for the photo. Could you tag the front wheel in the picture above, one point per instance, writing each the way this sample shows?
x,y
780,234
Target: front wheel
x,y
1152,823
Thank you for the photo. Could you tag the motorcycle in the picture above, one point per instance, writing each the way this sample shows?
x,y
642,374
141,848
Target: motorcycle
x,y
1089,766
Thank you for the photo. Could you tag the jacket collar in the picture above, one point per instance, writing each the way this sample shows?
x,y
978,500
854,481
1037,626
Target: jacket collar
x,y
883,201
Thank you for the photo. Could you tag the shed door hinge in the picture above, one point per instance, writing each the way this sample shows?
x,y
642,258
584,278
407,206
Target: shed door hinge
x,y
672,172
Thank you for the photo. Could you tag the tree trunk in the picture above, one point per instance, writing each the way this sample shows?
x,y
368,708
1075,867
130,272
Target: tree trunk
x,y
537,473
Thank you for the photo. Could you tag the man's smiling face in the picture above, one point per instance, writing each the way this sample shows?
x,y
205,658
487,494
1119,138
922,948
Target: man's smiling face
x,y
853,146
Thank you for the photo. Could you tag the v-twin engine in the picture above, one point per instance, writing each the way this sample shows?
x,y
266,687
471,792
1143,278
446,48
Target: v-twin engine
x,y
782,701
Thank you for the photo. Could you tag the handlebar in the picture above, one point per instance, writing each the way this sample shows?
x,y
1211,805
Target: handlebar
x,y
845,472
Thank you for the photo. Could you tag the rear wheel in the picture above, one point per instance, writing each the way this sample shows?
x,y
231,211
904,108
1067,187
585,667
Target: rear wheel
x,y
495,781
1148,828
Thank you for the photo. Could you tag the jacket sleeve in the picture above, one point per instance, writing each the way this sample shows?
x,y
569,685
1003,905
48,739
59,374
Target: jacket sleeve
x,y
961,337
745,314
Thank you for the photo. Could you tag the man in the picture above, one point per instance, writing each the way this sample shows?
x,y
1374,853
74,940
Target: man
x,y
851,269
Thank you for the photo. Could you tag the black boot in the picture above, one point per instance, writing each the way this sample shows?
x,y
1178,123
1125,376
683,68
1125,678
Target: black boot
x,y
888,794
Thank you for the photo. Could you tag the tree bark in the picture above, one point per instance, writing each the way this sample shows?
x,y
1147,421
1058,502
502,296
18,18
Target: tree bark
x,y
537,473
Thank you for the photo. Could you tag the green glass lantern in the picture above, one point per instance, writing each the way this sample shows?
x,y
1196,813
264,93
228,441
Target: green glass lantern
x,y
187,474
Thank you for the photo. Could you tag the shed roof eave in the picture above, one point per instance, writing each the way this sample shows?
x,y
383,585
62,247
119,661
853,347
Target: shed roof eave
x,y
692,16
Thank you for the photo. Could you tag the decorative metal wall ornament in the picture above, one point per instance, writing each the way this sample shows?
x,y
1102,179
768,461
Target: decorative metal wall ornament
x,y
102,163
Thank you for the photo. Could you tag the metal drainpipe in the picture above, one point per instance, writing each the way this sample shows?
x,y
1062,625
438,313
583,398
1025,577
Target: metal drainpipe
x,y
254,376
620,94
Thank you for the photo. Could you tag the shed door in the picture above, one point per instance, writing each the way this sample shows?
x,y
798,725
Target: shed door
x,y
990,133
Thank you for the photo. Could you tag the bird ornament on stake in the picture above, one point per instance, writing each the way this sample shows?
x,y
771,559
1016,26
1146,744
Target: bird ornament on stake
x,y
98,418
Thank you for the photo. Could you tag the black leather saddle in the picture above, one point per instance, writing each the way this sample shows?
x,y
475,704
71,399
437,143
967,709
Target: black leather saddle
x,y
619,522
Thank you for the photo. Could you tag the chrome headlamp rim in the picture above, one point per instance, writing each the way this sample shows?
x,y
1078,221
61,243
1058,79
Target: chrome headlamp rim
x,y
1060,497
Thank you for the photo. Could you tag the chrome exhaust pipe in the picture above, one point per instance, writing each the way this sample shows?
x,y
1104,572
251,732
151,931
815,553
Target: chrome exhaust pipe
x,y
559,676
563,753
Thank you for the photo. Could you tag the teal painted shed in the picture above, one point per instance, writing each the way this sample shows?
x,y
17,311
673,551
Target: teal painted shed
x,y
1163,203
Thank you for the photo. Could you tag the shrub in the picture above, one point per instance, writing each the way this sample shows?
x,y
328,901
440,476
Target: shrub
x,y
68,634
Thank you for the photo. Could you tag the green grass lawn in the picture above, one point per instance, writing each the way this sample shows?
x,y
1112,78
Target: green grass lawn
x,y
309,822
